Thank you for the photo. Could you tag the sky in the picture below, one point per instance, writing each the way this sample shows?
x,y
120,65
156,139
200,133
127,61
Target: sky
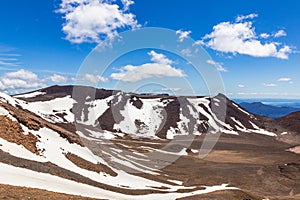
x,y
253,45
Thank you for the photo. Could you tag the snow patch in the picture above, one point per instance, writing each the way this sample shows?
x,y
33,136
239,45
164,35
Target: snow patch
x,y
30,95
149,117
3,112
19,151
264,132
295,149
27,178
194,150
238,107
254,125
49,109
95,109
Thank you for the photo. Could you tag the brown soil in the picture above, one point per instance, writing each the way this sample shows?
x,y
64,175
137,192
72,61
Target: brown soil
x,y
254,163
295,149
34,122
170,117
13,132
22,193
291,122
224,195
84,164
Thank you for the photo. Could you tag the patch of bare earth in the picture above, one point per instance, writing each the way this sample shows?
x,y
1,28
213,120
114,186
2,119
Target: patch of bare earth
x,y
223,195
256,164
22,193
34,122
84,164
295,149
13,132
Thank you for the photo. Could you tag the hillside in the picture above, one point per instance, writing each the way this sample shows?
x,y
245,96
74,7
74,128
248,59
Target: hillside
x,y
145,115
88,143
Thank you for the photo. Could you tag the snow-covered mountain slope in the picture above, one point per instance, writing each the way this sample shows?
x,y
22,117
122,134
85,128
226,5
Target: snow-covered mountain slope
x,y
143,115
35,152
111,145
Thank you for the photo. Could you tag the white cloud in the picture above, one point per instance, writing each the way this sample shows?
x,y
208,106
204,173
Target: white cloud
x,y
219,66
171,89
22,74
25,79
269,85
264,35
8,59
161,67
199,42
186,52
284,52
55,78
95,20
4,62
280,33
127,3
240,38
285,79
94,78
241,85
21,79
183,34
159,58
243,17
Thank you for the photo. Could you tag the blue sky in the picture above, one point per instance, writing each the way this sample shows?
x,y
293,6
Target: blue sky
x,y
254,44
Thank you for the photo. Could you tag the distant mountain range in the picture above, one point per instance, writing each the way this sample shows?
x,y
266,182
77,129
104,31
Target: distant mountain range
x,y
268,110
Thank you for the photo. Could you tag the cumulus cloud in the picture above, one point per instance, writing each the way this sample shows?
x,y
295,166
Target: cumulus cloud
x,y
280,33
269,85
22,74
264,35
56,78
183,34
127,3
241,85
24,79
161,67
244,17
159,58
186,52
94,78
239,37
21,79
95,20
219,66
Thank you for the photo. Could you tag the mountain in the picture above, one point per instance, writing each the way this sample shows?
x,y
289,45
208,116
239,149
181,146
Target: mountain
x,y
290,121
75,142
146,115
268,110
